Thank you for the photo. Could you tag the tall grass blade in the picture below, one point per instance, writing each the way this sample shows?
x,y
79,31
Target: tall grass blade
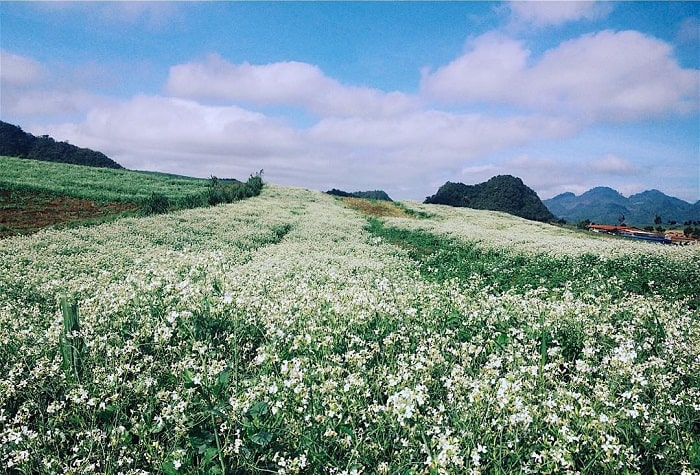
x,y
71,343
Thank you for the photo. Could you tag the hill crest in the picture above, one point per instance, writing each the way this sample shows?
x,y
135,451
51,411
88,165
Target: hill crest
x,y
15,142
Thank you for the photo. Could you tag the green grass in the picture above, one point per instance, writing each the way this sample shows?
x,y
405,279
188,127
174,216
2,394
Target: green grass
x,y
153,192
442,258
98,184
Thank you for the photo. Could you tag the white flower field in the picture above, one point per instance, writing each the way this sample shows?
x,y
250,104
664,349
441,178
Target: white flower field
x,y
290,334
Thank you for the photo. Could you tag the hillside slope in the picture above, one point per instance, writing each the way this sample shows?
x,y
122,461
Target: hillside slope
x,y
94,183
501,193
288,327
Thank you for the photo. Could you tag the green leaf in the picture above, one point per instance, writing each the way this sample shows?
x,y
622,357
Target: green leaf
x,y
694,456
502,339
261,438
202,442
168,468
222,382
258,409
216,411
210,453
189,379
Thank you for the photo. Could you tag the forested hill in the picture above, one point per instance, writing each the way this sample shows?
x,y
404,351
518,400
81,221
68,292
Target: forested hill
x,y
14,142
369,195
501,193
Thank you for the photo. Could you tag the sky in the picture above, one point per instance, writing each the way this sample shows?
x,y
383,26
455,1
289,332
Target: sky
x,y
397,96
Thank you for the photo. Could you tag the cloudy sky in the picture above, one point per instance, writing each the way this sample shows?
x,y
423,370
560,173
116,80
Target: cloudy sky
x,y
399,96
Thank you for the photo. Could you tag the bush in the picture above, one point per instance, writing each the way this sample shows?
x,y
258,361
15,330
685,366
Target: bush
x,y
157,203
196,200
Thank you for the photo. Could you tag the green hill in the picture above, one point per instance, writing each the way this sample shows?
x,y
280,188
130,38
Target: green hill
x,y
501,193
94,183
15,142
36,194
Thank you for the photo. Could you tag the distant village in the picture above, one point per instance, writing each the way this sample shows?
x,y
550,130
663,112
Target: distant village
x,y
667,237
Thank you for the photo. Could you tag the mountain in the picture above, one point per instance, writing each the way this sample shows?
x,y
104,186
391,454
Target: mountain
x,y
14,142
606,205
369,195
501,193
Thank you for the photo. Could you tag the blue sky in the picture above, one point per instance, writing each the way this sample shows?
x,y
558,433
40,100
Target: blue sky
x,y
399,96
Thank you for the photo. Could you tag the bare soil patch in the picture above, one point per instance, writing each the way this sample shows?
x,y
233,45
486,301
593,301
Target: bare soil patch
x,y
376,208
27,212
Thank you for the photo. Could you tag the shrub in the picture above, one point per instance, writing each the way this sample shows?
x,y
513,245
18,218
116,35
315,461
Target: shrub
x,y
157,203
196,200
228,191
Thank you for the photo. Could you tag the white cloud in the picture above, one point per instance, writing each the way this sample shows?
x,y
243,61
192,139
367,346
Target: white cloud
x,y
182,136
48,102
607,75
544,13
612,165
365,138
619,75
31,89
284,83
409,155
484,73
439,134
155,15
18,71
171,125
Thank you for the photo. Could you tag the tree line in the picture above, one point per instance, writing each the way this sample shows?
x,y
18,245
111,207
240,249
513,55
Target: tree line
x,y
14,142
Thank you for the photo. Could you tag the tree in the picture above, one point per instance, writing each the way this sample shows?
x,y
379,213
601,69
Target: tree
x,y
658,220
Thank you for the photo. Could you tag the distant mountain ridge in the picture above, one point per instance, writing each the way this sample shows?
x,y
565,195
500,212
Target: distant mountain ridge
x,y
14,142
380,195
605,205
501,193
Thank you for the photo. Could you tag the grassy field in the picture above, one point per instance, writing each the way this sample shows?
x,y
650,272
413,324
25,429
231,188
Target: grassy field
x,y
294,332
36,195
97,184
